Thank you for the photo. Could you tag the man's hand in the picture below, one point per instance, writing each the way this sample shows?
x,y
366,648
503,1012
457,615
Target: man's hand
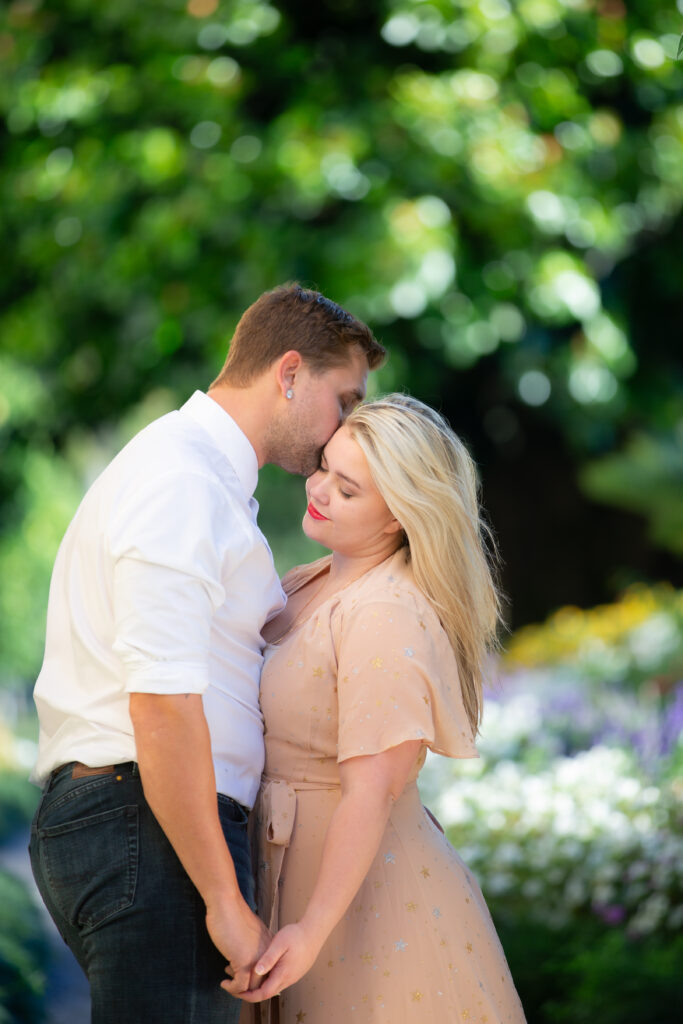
x,y
291,953
242,938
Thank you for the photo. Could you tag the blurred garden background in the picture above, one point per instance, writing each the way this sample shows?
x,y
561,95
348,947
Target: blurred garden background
x,y
496,186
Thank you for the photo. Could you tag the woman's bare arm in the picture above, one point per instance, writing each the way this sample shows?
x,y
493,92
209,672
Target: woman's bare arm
x,y
370,785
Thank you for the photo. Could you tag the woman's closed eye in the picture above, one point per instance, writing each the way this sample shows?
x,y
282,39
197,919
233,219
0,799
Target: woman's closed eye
x,y
323,468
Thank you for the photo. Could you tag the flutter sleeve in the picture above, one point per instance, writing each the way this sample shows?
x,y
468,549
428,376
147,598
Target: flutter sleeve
x,y
397,681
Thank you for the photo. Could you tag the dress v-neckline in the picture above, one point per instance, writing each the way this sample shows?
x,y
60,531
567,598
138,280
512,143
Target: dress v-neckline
x,y
323,565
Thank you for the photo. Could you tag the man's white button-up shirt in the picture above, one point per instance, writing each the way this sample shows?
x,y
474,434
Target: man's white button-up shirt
x,y
162,584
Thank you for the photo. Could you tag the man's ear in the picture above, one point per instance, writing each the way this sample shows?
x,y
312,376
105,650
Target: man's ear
x,y
287,369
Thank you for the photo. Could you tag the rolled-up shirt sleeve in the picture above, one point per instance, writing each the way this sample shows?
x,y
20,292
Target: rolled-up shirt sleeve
x,y
168,543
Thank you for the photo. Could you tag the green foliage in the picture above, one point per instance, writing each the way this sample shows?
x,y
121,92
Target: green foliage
x,y
18,801
22,955
50,490
282,503
646,477
490,184
584,973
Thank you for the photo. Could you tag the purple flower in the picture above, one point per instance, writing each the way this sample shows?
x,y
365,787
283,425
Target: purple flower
x,y
672,726
611,913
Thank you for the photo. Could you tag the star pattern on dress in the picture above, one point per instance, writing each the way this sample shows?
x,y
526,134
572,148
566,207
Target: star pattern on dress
x,y
317,672
409,652
425,871
417,996
400,946
436,912
300,1017
468,947
389,857
377,662
412,907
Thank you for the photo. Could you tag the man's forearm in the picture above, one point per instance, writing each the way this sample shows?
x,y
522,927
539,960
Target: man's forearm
x,y
174,755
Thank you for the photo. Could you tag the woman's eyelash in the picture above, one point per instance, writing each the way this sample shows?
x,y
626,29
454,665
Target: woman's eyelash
x,y
344,494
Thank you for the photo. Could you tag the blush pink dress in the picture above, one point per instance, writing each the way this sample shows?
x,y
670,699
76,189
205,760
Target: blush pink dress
x,y
371,668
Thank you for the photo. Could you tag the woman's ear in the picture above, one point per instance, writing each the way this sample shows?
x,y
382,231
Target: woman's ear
x,y
393,526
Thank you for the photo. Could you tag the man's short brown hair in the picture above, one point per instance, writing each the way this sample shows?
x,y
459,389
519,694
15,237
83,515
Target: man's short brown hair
x,y
292,317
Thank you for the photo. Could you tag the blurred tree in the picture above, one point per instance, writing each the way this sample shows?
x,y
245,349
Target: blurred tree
x,y
495,186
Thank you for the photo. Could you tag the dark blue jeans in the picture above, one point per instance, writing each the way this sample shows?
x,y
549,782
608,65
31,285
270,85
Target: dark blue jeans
x,y
125,905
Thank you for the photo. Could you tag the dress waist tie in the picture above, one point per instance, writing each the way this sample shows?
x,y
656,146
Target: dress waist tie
x,y
277,813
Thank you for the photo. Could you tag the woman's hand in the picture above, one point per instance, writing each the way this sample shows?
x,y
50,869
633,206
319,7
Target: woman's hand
x,y
291,953
242,938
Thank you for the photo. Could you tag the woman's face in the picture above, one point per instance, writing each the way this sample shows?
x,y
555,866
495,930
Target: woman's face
x,y
345,510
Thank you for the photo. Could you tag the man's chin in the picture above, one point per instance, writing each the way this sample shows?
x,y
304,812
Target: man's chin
x,y
311,467
308,463
297,468
299,462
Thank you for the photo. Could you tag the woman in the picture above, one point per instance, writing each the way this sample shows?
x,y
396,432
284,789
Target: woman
x,y
377,656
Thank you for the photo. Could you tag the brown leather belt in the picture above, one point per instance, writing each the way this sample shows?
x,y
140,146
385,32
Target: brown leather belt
x,y
81,771
78,770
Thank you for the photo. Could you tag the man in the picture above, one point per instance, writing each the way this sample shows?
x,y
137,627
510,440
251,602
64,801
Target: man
x,y
150,680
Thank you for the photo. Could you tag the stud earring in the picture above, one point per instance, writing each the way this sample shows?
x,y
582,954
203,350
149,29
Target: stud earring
x,y
289,393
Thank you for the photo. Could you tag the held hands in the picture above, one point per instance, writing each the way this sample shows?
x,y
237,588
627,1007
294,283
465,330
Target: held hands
x,y
242,938
291,953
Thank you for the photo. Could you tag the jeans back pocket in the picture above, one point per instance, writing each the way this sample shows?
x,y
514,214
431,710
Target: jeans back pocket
x,y
91,865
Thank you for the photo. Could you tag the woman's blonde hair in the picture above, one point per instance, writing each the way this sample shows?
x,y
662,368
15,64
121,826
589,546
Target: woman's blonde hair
x,y
429,482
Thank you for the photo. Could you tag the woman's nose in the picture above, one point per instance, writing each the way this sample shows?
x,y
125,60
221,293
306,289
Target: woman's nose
x,y
317,489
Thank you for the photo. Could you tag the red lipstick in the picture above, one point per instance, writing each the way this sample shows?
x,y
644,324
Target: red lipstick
x,y
314,514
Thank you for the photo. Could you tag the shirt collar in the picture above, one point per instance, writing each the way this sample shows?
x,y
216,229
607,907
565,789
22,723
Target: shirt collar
x,y
227,436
